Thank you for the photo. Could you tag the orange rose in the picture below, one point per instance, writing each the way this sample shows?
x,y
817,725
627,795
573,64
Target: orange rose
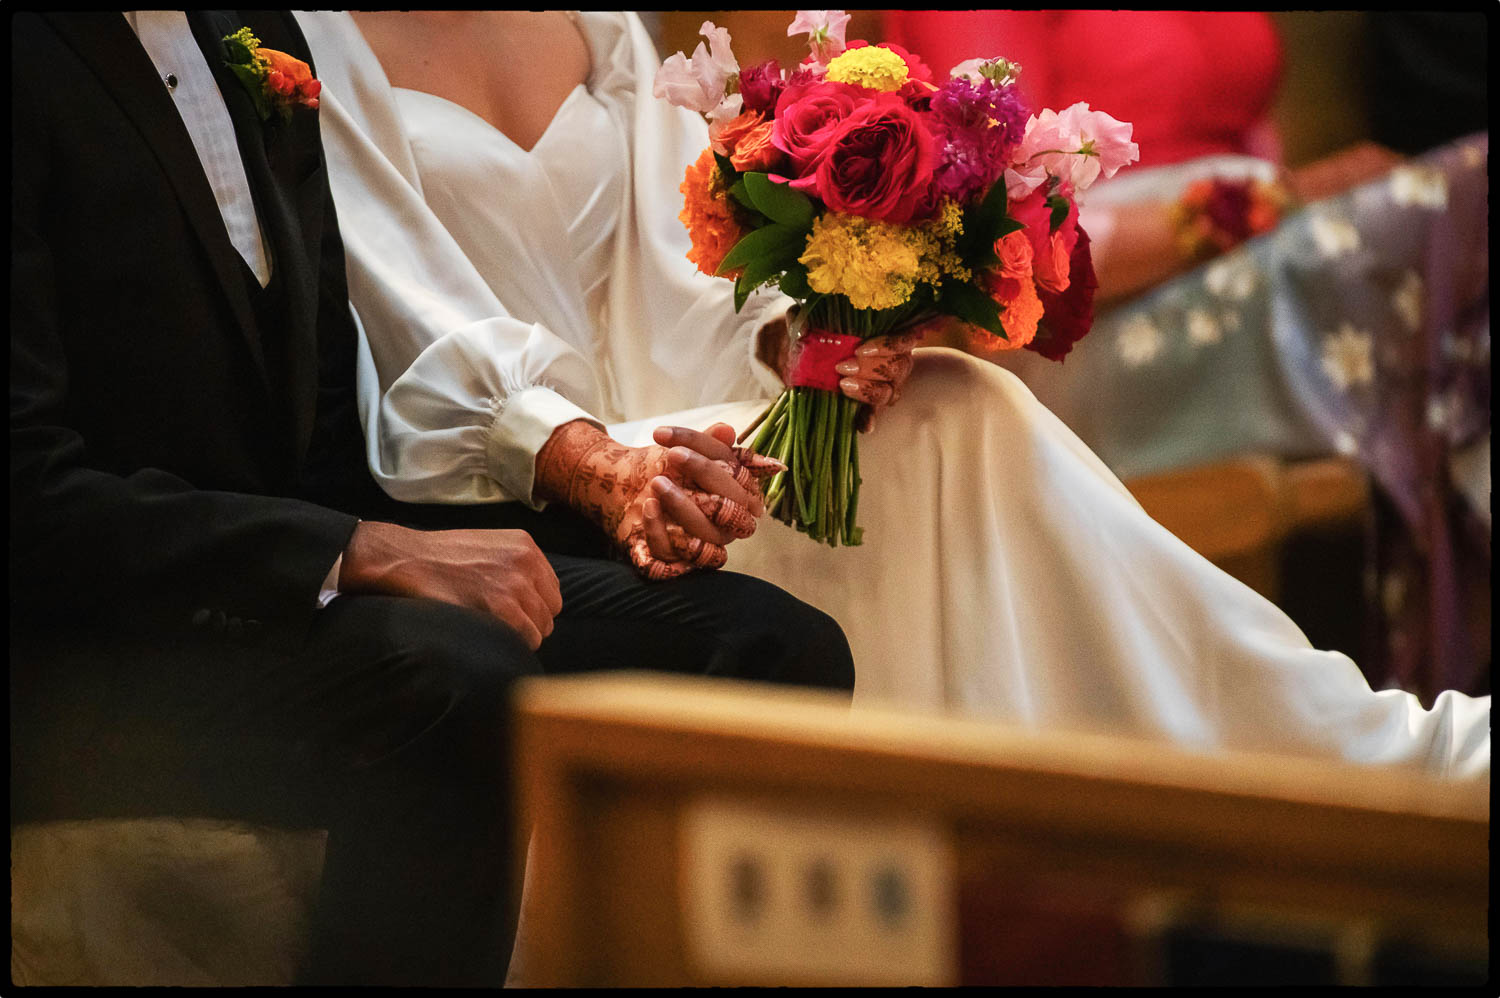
x,y
1051,271
1015,291
1014,251
746,140
755,151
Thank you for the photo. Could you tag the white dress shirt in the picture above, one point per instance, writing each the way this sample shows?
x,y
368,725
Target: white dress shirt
x,y
169,41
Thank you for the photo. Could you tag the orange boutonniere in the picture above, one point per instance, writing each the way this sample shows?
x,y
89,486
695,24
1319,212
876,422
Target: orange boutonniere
x,y
276,82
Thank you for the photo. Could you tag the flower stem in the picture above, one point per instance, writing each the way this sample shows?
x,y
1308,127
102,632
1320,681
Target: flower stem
x,y
767,420
830,420
853,533
799,426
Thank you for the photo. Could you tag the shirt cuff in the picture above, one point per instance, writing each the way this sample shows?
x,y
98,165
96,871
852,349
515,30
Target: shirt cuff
x,y
330,588
523,424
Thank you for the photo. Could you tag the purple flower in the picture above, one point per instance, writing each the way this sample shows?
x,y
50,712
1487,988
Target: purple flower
x,y
761,85
978,126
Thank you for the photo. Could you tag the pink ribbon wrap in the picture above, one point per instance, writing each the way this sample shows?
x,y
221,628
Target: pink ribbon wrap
x,y
814,356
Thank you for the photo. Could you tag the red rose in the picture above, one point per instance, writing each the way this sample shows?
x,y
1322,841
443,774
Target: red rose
x,y
1067,317
806,116
878,162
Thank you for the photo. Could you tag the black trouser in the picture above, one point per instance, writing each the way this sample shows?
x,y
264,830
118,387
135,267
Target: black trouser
x,y
389,728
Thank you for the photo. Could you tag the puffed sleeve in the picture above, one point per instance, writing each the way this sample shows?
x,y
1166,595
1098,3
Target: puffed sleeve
x,y
456,395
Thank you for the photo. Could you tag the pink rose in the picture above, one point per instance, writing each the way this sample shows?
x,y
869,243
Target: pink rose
x,y
806,116
877,163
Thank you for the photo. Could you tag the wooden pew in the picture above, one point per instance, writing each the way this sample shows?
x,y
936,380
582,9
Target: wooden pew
x,y
709,833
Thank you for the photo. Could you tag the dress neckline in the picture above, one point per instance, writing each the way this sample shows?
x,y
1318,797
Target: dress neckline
x,y
557,115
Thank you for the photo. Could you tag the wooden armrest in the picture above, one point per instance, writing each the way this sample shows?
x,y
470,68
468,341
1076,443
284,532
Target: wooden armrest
x,y
627,780
1325,492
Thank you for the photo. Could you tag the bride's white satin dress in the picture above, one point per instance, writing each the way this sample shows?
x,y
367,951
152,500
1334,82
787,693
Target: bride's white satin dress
x,y
1006,573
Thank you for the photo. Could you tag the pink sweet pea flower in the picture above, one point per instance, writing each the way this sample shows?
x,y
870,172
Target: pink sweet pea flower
x,y
825,31
722,115
1022,180
699,85
1076,146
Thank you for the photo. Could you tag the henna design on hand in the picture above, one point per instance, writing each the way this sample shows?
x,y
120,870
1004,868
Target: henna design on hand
x,y
725,513
610,483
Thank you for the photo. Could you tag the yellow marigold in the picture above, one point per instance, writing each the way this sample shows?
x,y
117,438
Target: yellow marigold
x,y
869,66
709,217
874,264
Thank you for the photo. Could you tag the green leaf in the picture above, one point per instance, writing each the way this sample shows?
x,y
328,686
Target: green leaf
x,y
740,194
963,300
727,169
794,283
779,202
237,52
758,272
1059,206
742,291
773,243
986,217
255,86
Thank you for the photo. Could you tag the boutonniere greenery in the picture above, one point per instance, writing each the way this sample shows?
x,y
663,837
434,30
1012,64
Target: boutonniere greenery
x,y
276,82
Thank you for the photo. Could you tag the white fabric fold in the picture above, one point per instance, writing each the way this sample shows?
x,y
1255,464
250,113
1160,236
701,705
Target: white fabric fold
x,y
1007,573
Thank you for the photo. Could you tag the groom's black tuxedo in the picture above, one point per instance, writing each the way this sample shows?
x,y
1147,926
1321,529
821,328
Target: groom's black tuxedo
x,y
186,466
164,407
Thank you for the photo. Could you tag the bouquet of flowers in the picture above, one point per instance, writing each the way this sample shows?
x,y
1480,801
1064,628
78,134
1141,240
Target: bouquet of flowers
x,y
880,199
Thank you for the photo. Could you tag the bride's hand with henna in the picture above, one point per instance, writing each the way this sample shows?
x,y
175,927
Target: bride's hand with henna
x,y
669,507
877,372
874,375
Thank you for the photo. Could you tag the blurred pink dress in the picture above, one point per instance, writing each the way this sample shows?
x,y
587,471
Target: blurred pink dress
x,y
1193,83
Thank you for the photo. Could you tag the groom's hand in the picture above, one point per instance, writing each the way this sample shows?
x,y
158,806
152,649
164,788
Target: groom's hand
x,y
670,507
499,572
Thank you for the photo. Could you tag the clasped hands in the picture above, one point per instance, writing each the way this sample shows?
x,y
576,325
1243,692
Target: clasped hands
x,y
676,506
670,507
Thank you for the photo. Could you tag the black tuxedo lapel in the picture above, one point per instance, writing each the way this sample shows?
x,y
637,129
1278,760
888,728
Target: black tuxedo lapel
x,y
269,151
105,43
